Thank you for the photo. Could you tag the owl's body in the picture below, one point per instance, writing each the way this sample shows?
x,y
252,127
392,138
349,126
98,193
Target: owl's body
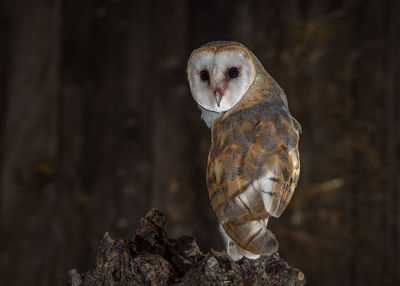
x,y
253,164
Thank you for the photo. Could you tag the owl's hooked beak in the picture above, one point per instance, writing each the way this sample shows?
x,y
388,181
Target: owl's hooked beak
x,y
219,90
218,98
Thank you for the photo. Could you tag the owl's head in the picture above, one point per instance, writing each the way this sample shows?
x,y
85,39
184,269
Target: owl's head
x,y
219,74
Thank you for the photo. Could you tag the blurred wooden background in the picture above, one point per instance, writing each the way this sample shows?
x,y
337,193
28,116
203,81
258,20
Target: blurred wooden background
x,y
97,125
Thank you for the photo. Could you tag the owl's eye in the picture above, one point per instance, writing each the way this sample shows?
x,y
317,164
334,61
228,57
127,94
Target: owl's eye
x,y
233,72
204,76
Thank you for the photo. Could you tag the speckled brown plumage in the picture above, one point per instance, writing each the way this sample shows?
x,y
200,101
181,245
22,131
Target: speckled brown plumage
x,y
253,154
256,137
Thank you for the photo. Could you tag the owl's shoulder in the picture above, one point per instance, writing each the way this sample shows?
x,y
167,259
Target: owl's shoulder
x,y
255,131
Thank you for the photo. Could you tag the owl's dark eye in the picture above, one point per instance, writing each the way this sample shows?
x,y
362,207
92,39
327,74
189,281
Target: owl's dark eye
x,y
233,72
204,76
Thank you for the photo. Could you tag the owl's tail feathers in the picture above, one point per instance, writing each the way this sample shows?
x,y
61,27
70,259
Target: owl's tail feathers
x,y
253,236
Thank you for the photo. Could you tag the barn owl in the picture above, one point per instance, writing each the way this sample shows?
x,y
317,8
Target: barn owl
x,y
253,164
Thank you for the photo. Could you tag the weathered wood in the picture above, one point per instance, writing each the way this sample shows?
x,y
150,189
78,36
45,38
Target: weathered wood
x,y
4,22
29,149
173,109
152,258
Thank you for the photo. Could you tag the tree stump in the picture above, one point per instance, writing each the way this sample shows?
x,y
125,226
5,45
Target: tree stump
x,y
151,258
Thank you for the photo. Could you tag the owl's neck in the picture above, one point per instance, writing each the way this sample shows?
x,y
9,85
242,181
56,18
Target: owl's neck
x,y
209,116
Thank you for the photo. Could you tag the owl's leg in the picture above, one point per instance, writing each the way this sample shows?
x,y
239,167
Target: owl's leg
x,y
235,252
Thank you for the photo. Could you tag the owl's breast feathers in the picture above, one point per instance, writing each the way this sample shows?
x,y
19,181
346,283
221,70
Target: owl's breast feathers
x,y
253,165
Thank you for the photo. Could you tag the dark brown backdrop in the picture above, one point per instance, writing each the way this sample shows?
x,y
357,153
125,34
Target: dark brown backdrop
x,y
97,125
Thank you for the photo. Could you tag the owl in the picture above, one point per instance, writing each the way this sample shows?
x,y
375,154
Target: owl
x,y
253,164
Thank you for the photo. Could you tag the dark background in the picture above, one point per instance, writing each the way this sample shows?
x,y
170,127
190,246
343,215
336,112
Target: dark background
x,y
98,125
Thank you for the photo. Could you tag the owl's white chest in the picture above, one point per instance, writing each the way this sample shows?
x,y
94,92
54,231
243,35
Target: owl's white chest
x,y
209,116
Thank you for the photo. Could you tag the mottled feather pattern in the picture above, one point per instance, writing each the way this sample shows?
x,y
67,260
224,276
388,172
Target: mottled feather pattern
x,y
254,138
253,163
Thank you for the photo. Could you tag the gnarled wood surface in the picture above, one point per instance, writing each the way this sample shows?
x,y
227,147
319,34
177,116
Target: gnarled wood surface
x,y
151,258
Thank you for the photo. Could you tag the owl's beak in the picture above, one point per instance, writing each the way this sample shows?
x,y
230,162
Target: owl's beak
x,y
219,90
218,98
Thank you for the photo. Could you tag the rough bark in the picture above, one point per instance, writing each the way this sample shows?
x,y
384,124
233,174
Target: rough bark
x,y
151,258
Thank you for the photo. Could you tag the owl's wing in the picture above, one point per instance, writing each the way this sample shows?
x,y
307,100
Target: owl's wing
x,y
253,169
255,166
272,165
280,166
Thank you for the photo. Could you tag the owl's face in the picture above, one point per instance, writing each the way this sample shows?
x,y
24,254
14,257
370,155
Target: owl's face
x,y
220,77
